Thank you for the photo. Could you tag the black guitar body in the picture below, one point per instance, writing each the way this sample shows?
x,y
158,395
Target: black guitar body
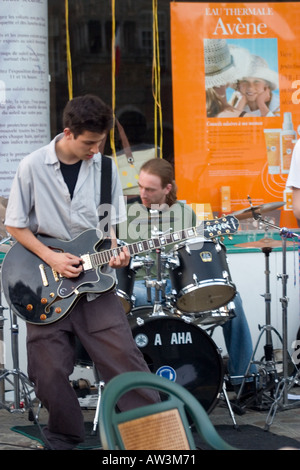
x,y
40,296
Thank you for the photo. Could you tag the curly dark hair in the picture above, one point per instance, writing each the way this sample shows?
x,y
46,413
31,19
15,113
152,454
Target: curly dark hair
x,y
87,113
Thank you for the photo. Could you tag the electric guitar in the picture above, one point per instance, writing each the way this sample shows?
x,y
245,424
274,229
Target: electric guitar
x,y
39,295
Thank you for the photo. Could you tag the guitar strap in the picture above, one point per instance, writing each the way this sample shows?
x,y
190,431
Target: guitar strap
x,y
106,180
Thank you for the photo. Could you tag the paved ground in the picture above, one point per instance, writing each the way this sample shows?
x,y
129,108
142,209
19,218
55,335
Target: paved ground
x,y
285,421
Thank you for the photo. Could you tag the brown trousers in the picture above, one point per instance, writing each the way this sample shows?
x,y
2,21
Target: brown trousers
x,y
103,329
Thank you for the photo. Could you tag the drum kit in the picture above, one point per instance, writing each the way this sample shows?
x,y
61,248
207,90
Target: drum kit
x,y
168,332
174,333
202,295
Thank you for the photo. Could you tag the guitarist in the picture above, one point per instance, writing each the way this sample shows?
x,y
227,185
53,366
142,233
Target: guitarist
x,y
56,192
158,189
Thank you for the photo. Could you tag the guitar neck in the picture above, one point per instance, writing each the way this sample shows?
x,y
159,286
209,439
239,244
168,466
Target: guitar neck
x,y
143,246
209,229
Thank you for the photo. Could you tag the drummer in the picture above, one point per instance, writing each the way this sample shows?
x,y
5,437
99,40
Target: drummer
x,y
158,190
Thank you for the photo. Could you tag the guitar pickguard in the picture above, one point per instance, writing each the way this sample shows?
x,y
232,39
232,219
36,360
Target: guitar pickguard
x,y
69,286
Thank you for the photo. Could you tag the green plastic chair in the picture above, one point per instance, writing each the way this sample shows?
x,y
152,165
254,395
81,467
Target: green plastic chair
x,y
160,426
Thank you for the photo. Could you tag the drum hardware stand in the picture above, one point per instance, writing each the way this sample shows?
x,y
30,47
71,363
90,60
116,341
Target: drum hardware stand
x,y
227,401
100,385
20,382
287,381
269,363
158,283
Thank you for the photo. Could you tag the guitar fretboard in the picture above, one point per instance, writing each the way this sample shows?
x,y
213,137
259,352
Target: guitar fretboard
x,y
143,246
209,229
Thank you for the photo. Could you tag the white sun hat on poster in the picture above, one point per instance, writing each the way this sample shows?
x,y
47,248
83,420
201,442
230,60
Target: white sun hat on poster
x,y
259,68
224,64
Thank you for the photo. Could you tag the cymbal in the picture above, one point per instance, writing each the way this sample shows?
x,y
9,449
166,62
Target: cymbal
x,y
264,243
263,208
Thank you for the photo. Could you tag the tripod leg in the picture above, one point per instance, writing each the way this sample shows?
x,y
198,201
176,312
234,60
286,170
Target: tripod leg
x,y
96,417
249,366
274,407
22,383
229,406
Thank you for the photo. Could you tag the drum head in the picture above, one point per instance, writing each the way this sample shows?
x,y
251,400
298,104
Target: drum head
x,y
202,280
209,295
180,352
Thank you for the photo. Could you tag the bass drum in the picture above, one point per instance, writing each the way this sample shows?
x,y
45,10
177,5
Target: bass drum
x,y
179,351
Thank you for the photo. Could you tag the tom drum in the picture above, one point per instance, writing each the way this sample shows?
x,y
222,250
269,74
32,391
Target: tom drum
x,y
200,277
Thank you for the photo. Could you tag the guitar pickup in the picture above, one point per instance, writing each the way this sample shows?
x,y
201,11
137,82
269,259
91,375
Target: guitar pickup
x,y
43,275
87,263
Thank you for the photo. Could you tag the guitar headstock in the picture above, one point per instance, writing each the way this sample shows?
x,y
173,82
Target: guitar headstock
x,y
225,225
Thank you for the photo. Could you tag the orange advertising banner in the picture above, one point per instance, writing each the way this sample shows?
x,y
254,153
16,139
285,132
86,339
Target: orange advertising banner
x,y
236,94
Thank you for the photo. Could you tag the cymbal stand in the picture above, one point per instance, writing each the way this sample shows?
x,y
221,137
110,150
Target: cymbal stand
x,y
21,385
270,369
268,365
287,381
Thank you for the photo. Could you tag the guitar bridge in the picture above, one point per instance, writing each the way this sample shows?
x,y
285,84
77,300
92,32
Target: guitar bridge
x,y
55,275
87,263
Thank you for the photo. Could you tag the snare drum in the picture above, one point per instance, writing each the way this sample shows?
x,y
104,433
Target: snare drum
x,y
126,279
201,280
179,351
125,284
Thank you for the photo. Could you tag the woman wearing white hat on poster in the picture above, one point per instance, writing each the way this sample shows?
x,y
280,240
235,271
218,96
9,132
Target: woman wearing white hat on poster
x,y
224,66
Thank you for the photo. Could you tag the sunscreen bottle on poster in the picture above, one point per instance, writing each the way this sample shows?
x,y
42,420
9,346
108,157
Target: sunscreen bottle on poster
x,y
288,139
273,145
288,199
